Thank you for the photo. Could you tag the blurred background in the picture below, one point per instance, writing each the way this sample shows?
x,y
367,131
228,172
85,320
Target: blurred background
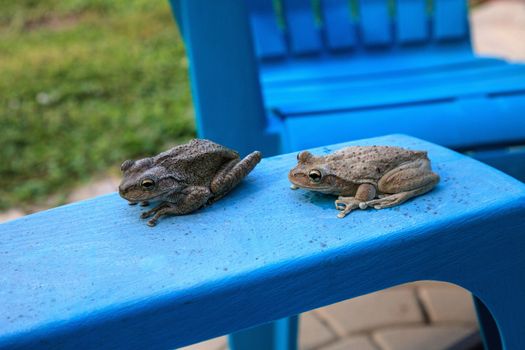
x,y
87,84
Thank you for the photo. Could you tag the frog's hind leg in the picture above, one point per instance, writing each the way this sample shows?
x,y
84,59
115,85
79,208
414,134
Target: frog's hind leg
x,y
231,174
404,182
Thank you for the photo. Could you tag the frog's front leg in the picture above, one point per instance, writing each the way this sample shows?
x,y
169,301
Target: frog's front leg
x,y
187,201
365,192
148,213
409,180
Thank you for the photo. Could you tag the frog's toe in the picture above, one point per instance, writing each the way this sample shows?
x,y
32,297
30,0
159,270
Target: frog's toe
x,y
144,203
340,205
363,205
146,214
294,187
151,223
345,211
132,203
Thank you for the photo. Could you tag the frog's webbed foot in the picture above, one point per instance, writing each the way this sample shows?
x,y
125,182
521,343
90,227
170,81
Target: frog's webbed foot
x,y
345,205
148,213
364,193
163,209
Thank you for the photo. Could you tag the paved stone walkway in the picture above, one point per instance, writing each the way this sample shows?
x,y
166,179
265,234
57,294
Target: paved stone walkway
x,y
498,29
423,315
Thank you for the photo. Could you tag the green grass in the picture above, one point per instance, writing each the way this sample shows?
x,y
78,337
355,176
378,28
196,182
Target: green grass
x,y
85,85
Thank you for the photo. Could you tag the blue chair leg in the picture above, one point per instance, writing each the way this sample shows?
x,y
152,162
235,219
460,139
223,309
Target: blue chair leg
x,y
503,295
487,326
277,335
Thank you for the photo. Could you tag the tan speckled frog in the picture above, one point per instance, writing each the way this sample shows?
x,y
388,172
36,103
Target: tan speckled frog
x,y
365,176
184,178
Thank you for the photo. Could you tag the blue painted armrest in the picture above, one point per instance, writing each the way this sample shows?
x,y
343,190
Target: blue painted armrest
x,y
92,275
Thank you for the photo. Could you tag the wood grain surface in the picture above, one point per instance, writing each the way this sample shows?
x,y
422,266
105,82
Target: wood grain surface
x,y
92,275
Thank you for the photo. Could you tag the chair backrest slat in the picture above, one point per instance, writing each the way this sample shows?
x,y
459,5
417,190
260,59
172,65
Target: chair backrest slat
x,y
269,38
411,21
339,26
293,28
375,22
302,30
450,19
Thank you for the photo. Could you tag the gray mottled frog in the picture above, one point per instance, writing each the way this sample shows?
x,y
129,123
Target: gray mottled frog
x,y
365,176
184,178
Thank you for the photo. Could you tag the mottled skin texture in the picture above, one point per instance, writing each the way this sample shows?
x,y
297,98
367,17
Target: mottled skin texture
x,y
184,178
365,176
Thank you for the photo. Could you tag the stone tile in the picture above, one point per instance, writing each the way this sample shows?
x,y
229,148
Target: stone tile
x,y
352,343
498,29
448,304
220,343
420,337
395,306
312,332
11,214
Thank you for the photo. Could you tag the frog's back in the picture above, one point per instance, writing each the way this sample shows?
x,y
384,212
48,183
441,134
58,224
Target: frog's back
x,y
369,163
200,157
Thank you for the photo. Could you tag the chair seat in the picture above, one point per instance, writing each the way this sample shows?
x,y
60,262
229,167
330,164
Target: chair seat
x,y
92,275
353,93
452,105
463,123
365,64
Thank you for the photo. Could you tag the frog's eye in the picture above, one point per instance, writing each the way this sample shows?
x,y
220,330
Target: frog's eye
x,y
147,184
315,175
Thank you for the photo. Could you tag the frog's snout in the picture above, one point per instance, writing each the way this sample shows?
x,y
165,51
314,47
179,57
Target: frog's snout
x,y
292,176
122,191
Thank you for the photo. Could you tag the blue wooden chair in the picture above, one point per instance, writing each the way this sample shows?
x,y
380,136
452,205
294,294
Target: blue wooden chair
x,y
286,75
92,275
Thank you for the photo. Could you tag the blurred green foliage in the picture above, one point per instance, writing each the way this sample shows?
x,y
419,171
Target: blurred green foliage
x,y
85,84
